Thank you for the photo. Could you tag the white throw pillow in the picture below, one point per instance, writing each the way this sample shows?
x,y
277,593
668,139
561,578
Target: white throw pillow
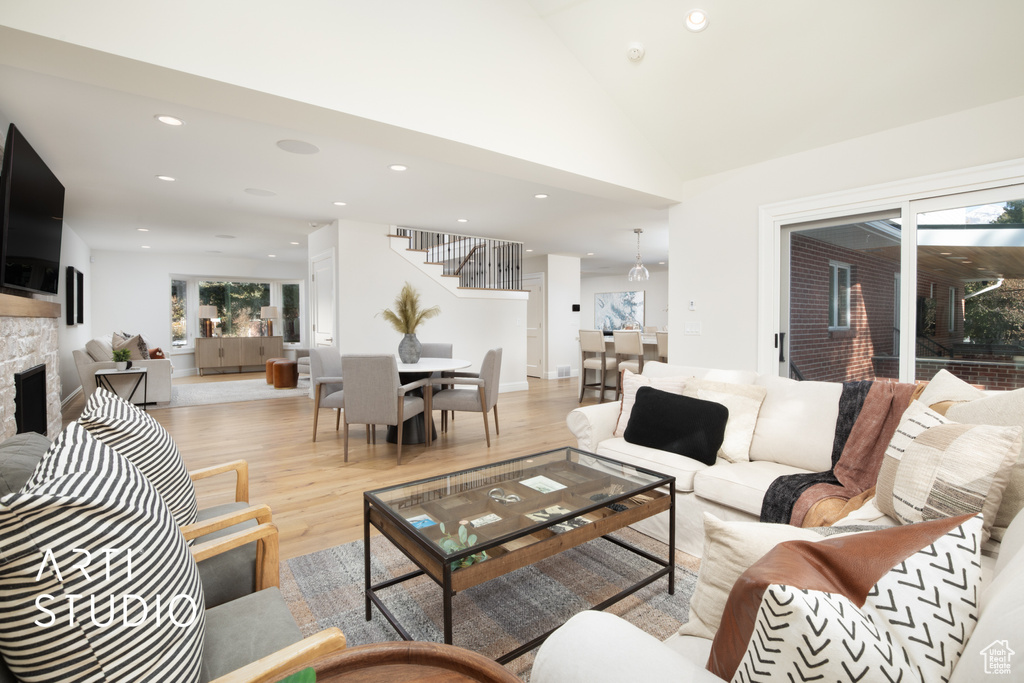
x,y
744,403
631,383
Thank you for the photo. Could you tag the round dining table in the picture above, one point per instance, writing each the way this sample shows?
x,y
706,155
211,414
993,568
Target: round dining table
x,y
414,429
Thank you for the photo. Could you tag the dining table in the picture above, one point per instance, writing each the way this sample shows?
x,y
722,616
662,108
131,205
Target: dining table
x,y
414,429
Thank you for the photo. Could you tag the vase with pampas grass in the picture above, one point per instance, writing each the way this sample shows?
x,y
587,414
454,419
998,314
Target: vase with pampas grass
x,y
405,318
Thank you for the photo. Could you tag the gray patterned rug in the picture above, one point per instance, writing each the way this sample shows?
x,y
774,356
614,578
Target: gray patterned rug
x,y
325,589
229,392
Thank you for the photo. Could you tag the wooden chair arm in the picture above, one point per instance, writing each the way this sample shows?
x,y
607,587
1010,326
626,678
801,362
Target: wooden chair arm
x,y
261,513
268,572
274,667
240,467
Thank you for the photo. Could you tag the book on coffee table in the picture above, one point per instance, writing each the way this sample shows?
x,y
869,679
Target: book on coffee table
x,y
422,521
554,511
542,484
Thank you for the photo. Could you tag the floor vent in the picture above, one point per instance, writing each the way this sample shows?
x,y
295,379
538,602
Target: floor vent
x,y
563,371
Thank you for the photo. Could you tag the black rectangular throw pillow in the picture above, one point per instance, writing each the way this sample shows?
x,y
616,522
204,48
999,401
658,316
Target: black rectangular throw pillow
x,y
679,424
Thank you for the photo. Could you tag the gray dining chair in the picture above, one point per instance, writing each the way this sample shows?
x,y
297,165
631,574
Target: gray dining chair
x,y
438,350
481,399
375,396
326,379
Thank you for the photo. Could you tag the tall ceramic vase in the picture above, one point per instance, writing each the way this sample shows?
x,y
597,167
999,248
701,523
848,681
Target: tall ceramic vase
x,y
409,349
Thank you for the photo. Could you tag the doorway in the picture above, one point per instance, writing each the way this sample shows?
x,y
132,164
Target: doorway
x,y
322,298
535,360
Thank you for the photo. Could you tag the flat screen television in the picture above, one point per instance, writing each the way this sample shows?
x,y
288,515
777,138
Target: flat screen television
x,y
33,218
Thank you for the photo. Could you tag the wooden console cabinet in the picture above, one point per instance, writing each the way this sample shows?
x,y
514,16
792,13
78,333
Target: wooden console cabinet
x,y
236,352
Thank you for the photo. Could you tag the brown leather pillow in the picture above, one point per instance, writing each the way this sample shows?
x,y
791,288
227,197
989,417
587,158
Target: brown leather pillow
x,y
157,353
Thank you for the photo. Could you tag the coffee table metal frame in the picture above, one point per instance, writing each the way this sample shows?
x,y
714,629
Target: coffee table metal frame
x,y
539,543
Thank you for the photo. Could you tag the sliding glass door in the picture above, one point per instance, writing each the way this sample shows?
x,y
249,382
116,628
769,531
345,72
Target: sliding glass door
x,y
970,287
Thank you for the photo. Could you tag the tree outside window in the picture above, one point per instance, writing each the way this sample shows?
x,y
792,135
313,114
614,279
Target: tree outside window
x,y
238,306
290,312
179,311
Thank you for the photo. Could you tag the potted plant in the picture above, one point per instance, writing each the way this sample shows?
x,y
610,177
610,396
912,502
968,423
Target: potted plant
x,y
405,318
122,359
453,544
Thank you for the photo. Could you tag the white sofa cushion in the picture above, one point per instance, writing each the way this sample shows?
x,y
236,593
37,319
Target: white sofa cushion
x,y
663,462
99,349
740,485
797,423
659,369
743,401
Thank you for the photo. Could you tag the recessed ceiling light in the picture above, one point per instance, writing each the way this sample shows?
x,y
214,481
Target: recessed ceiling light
x,y
226,237
590,253
661,263
696,20
142,229
529,250
166,178
463,220
293,242
398,167
145,247
297,147
169,120
540,196
259,192
340,204
271,255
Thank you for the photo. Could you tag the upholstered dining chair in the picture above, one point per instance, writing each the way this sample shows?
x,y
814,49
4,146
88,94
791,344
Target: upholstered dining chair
x,y
629,343
662,346
325,379
481,399
375,396
592,342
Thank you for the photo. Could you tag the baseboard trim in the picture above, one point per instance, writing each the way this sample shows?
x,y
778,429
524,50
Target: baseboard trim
x,y
554,374
71,397
513,386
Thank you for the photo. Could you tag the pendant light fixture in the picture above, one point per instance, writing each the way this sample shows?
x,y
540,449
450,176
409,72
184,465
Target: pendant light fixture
x,y
638,272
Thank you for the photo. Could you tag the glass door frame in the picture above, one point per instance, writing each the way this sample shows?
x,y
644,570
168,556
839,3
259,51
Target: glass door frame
x,y
926,193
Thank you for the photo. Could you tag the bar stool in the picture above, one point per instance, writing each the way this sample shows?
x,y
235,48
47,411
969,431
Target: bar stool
x,y
662,346
629,343
592,341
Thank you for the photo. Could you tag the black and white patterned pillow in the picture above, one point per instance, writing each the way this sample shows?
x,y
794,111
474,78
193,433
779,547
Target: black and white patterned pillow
x,y
96,581
142,440
912,627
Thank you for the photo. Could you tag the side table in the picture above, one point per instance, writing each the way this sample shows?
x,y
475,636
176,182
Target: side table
x,y
140,374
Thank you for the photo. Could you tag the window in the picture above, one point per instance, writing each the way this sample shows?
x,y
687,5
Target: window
x,y
952,309
238,306
179,314
838,296
290,312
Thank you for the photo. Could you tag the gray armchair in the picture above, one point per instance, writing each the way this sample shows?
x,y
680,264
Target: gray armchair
x,y
374,395
325,378
437,350
481,399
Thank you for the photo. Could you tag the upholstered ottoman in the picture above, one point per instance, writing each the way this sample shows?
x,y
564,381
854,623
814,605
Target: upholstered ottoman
x,y
270,368
286,374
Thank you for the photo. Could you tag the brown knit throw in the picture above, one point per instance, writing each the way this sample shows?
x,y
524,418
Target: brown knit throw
x,y
857,468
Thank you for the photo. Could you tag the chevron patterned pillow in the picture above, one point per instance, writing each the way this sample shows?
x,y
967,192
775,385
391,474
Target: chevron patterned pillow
x,y
141,439
96,581
896,604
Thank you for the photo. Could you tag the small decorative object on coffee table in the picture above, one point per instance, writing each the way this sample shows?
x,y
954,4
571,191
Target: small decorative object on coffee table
x,y
510,515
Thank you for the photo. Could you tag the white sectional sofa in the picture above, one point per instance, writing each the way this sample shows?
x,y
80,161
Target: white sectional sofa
x,y
793,434
596,647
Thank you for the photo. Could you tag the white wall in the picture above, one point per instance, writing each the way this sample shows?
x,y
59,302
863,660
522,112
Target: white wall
x,y
73,252
655,295
563,325
371,275
132,291
714,231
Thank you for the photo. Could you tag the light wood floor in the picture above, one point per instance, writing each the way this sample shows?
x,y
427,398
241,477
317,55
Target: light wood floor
x,y
316,498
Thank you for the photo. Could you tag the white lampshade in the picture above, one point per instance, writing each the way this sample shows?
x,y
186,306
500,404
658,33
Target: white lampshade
x,y
207,312
269,312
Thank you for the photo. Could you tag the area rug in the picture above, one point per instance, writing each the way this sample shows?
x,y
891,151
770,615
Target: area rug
x,y
325,589
229,392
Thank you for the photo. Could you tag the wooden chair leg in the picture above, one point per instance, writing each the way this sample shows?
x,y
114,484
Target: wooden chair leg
x,y
316,411
401,410
346,440
497,432
367,435
428,416
583,382
483,410
337,418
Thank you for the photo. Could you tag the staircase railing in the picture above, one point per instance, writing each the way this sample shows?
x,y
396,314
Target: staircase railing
x,y
478,262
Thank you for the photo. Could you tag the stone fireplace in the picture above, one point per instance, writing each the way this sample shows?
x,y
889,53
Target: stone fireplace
x,y
28,337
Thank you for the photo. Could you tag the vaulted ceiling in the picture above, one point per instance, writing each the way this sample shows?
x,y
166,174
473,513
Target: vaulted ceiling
x,y
488,104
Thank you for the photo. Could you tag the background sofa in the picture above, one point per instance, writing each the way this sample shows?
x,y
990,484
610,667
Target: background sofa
x,y
97,356
794,432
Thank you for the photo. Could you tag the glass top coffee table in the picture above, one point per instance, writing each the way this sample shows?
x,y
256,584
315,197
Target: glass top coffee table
x,y
468,527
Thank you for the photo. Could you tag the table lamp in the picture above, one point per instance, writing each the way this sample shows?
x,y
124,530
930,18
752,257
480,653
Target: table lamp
x,y
269,313
205,313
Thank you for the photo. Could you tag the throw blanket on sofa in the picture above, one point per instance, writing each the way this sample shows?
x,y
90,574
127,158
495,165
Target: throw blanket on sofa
x,y
783,493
